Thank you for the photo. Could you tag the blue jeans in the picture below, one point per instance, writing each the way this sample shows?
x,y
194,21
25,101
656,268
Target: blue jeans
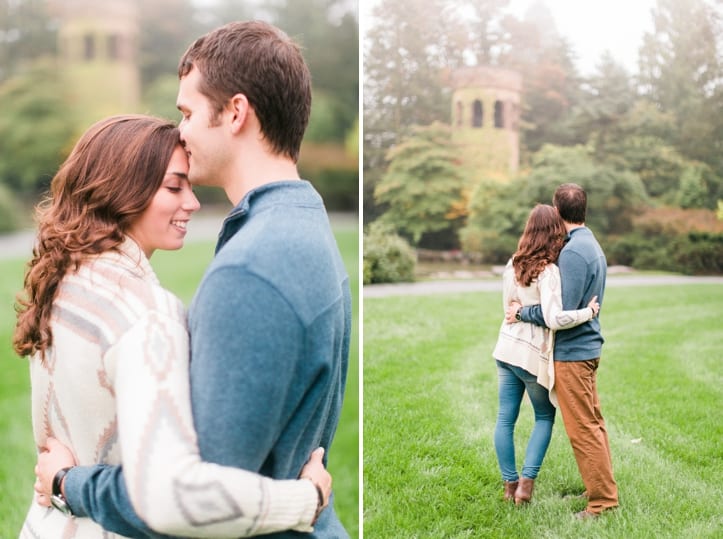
x,y
513,381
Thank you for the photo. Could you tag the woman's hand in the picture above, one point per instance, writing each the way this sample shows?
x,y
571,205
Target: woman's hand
x,y
594,305
314,471
51,459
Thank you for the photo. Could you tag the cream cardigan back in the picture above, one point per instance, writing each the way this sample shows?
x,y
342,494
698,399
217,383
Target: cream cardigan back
x,y
526,345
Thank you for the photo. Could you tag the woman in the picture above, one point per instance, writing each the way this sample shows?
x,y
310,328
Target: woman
x,y
523,351
108,346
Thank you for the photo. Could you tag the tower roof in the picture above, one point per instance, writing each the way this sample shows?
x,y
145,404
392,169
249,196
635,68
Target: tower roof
x,y
107,9
485,76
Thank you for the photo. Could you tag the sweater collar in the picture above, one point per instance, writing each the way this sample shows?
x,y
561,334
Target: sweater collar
x,y
130,257
576,231
294,192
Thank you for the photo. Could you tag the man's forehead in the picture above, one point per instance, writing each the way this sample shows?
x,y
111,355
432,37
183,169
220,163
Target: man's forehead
x,y
186,91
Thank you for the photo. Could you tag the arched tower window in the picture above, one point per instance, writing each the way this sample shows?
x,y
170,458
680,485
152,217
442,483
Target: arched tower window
x,y
477,113
460,113
113,47
499,114
88,47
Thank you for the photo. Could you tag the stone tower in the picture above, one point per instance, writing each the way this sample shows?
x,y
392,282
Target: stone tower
x,y
98,56
485,118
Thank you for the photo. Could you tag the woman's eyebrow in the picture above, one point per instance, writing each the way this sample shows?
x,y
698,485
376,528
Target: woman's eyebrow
x,y
181,175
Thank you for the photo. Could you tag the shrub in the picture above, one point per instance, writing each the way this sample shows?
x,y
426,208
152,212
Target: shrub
x,y
677,221
487,245
9,218
691,253
339,188
388,258
622,250
699,253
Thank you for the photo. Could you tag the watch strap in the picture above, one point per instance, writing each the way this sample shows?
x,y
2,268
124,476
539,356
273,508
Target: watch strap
x,y
58,481
57,499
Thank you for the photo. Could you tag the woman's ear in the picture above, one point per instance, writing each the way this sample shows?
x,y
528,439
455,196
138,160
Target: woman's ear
x,y
239,108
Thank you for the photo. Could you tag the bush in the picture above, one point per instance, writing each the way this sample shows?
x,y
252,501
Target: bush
x,y
388,258
691,253
487,245
9,218
339,188
699,253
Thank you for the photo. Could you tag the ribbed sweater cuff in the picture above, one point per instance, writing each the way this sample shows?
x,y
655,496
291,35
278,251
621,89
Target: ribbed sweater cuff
x,y
293,499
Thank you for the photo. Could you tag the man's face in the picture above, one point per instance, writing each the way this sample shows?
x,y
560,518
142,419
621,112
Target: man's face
x,y
205,140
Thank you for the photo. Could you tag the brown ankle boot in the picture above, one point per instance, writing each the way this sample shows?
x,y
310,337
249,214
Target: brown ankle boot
x,y
523,494
510,488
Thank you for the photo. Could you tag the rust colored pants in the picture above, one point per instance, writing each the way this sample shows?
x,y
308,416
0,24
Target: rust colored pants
x,y
580,407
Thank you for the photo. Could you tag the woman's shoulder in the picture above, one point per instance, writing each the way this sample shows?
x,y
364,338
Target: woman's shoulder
x,y
130,284
550,270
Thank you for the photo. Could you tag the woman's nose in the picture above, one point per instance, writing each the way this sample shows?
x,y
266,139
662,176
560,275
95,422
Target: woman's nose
x,y
191,202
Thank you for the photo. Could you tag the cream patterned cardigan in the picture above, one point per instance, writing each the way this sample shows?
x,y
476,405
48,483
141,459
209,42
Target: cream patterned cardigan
x,y
114,388
529,346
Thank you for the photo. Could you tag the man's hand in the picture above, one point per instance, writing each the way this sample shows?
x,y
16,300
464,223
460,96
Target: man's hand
x,y
51,459
594,305
314,471
511,311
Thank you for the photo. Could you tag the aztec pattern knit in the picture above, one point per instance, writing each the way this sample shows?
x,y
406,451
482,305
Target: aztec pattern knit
x,y
114,388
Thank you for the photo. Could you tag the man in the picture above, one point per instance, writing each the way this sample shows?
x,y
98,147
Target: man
x,y
583,269
271,320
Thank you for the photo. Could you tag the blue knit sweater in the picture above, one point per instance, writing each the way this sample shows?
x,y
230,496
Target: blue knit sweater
x,y
270,325
583,270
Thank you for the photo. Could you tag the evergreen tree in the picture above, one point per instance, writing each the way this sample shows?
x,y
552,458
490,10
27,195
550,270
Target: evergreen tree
x,y
682,73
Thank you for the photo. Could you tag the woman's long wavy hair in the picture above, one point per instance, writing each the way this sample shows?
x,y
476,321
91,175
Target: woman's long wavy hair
x,y
540,243
106,182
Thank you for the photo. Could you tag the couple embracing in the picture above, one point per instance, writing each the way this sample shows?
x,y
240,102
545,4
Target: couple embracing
x,y
549,346
153,421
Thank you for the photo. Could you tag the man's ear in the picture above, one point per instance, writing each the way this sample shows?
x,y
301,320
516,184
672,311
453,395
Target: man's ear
x,y
239,108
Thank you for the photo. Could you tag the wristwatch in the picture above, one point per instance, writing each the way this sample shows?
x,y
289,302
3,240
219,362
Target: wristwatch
x,y
57,500
517,315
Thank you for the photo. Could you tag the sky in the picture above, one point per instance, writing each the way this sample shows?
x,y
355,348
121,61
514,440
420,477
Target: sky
x,y
590,26
594,26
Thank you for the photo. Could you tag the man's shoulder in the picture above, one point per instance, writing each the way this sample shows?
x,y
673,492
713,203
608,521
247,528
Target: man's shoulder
x,y
288,252
583,244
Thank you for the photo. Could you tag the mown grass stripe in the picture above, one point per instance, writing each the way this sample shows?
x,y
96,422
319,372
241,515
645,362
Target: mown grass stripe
x,y
429,466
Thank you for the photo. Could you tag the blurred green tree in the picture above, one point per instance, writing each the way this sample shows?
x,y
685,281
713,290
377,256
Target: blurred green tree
x,y
159,97
497,216
551,85
498,211
693,192
423,188
328,31
614,196
35,129
167,28
405,58
681,71
605,102
27,32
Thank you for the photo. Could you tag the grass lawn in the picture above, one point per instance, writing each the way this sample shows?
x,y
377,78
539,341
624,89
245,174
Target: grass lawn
x,y
179,271
430,404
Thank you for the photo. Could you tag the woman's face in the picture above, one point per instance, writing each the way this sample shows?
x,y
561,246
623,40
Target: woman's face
x,y
163,223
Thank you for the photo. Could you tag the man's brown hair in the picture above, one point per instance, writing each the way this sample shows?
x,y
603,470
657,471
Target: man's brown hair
x,y
257,60
571,201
